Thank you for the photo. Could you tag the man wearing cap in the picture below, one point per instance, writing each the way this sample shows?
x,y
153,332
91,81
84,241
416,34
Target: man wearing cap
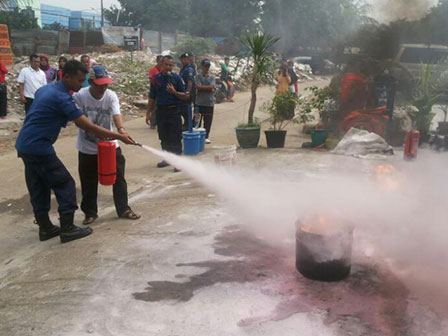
x,y
100,105
169,93
52,109
205,100
188,74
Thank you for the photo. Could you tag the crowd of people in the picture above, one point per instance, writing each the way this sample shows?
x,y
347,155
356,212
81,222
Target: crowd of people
x,y
181,101
78,92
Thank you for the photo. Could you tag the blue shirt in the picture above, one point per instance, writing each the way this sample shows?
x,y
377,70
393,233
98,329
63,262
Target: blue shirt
x,y
188,73
86,82
161,95
52,108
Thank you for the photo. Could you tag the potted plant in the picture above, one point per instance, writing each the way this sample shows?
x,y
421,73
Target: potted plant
x,y
282,111
257,45
443,125
325,100
424,103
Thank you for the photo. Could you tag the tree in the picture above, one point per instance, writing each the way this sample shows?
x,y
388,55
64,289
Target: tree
x,y
312,24
258,47
204,18
198,46
18,20
55,26
164,15
223,18
130,13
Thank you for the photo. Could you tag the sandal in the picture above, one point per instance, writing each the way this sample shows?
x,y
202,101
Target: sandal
x,y
89,220
129,214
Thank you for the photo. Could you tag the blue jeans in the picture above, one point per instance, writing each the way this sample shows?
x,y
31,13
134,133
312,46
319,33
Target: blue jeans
x,y
46,173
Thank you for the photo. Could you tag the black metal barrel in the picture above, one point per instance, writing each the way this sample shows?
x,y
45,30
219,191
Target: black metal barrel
x,y
324,257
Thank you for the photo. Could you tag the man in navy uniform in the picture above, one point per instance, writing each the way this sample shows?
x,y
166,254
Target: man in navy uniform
x,y
52,109
188,74
169,92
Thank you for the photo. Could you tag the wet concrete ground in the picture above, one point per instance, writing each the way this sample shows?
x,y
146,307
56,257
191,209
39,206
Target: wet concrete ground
x,y
197,271
190,267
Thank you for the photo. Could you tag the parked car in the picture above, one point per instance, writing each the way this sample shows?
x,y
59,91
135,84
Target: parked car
x,y
413,56
410,60
318,64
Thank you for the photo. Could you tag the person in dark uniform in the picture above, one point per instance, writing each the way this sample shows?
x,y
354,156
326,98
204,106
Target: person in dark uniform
x,y
294,86
188,74
53,107
169,92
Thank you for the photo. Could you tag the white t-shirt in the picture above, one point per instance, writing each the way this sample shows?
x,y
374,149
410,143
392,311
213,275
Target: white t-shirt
x,y
99,112
32,80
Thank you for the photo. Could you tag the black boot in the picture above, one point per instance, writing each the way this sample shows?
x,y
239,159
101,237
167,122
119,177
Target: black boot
x,y
46,229
71,232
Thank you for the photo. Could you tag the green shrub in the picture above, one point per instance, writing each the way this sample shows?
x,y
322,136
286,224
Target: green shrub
x,y
198,46
282,110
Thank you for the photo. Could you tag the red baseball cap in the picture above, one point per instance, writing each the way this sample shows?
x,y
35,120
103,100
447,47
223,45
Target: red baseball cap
x,y
99,75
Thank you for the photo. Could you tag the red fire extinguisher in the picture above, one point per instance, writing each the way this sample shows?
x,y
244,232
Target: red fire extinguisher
x,y
107,163
411,144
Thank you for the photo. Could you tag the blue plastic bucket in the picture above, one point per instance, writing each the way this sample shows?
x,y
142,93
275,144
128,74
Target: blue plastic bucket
x,y
318,137
202,132
191,143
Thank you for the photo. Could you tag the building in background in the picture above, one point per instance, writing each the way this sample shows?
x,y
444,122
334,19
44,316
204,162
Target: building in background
x,y
86,20
47,15
31,5
53,15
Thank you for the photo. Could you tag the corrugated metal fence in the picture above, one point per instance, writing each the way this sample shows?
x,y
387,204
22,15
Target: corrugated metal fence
x,y
78,42
41,41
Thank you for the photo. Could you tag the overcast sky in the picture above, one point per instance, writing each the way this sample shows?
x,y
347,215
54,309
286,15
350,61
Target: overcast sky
x,y
81,4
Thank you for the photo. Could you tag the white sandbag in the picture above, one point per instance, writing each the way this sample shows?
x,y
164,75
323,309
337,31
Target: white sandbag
x,y
362,143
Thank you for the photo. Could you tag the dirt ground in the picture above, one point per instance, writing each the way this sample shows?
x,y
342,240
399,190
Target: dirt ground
x,y
186,267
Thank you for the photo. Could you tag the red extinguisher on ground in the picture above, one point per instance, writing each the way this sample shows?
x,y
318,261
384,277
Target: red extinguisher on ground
x,y
107,163
411,144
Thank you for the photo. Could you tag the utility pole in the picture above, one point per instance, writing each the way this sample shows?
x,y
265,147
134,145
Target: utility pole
x,y
102,14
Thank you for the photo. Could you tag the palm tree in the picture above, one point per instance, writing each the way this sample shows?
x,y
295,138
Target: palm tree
x,y
424,102
257,45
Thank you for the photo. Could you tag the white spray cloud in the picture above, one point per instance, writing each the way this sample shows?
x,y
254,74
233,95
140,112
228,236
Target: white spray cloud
x,y
401,213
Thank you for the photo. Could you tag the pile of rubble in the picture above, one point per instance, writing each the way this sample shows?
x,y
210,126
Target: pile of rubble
x,y
131,82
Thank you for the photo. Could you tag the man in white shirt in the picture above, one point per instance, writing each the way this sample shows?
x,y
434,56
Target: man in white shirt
x,y
30,80
100,105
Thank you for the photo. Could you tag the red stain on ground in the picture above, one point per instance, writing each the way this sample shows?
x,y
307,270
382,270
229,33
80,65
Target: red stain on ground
x,y
372,295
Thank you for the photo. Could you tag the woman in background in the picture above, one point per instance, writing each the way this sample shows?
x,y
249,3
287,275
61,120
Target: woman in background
x,y
62,61
283,80
3,90
50,72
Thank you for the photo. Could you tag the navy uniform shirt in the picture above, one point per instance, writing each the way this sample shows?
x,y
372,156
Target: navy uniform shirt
x,y
52,108
161,95
189,73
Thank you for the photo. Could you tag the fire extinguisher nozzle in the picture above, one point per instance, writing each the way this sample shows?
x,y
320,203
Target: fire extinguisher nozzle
x,y
138,144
